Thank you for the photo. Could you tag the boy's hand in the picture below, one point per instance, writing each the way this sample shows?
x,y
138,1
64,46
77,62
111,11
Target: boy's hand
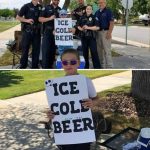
x,y
72,30
50,114
88,103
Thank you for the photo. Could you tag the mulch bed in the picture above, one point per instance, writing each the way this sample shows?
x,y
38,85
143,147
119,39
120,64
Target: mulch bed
x,y
124,104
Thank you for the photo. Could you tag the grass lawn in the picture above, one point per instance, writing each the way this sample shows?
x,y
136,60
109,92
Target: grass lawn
x,y
5,25
21,82
7,58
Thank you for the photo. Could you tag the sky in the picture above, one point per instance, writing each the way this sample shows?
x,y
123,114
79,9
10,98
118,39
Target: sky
x,y
17,3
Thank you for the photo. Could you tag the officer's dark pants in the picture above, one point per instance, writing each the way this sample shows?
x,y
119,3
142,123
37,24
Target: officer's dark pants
x,y
84,146
48,50
29,38
86,44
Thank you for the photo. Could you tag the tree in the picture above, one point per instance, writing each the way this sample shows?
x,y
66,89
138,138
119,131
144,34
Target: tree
x,y
140,87
7,13
45,2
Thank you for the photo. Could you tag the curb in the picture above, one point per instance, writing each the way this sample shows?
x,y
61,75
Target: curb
x,y
137,44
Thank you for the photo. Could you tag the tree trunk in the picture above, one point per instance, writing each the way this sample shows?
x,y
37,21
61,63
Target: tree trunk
x,y
66,4
141,84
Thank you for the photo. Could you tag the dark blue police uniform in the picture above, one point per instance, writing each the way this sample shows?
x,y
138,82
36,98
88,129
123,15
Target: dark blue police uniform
x,y
30,34
88,40
82,9
104,17
48,42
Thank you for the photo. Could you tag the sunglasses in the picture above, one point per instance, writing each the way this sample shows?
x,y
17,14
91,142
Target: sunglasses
x,y
63,14
69,62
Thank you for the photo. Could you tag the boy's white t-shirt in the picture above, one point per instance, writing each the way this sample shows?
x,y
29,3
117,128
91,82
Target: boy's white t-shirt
x,y
91,89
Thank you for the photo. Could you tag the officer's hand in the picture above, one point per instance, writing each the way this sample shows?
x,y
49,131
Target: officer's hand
x,y
52,17
79,13
30,21
108,35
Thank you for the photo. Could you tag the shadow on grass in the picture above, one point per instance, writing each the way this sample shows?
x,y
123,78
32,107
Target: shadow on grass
x,y
9,77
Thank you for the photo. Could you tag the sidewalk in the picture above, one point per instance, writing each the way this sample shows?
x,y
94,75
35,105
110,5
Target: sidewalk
x,y
6,36
19,116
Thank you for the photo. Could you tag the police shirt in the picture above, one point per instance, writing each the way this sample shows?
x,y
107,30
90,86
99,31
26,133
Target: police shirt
x,y
29,11
77,10
89,21
49,11
104,17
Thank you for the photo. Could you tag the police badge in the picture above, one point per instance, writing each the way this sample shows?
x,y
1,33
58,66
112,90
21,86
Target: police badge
x,y
90,19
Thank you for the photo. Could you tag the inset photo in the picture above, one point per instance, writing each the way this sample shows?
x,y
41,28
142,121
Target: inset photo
x,y
106,34
74,110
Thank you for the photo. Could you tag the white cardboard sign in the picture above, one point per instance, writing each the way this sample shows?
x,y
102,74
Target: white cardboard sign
x,y
72,123
62,35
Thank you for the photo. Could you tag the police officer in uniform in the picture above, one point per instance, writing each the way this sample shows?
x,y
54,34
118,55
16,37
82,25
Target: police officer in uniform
x,y
87,25
28,16
79,11
48,14
106,23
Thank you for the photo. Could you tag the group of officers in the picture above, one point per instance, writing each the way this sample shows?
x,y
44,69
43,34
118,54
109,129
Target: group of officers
x,y
33,16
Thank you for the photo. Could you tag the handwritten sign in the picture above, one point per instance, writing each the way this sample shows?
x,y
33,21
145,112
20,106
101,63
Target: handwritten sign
x,y
72,123
62,34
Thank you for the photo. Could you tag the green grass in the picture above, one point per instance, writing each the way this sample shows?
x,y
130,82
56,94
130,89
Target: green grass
x,y
21,82
120,89
7,58
5,25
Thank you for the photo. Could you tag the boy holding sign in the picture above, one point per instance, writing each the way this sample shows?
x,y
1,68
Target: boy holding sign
x,y
72,125
63,35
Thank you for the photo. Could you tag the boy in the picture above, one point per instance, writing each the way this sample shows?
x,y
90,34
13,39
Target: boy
x,y
70,62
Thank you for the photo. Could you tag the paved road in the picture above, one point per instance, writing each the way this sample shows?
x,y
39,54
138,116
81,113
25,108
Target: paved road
x,y
135,33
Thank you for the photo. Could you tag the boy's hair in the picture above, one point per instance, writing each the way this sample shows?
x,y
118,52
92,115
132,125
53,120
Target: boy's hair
x,y
72,51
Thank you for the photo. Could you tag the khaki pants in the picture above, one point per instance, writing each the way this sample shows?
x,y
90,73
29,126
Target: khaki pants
x,y
104,49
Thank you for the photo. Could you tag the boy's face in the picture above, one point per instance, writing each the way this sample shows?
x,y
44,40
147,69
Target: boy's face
x,y
70,63
63,16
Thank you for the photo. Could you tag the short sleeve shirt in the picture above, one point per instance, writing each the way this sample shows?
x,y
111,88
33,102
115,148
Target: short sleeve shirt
x,y
88,20
91,89
29,11
104,17
48,11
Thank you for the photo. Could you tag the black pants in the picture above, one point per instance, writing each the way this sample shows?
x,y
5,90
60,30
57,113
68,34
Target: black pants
x,y
86,44
84,146
48,50
28,39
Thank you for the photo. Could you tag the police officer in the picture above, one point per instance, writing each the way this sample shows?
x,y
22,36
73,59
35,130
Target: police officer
x,y
79,11
106,24
28,16
87,25
48,14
